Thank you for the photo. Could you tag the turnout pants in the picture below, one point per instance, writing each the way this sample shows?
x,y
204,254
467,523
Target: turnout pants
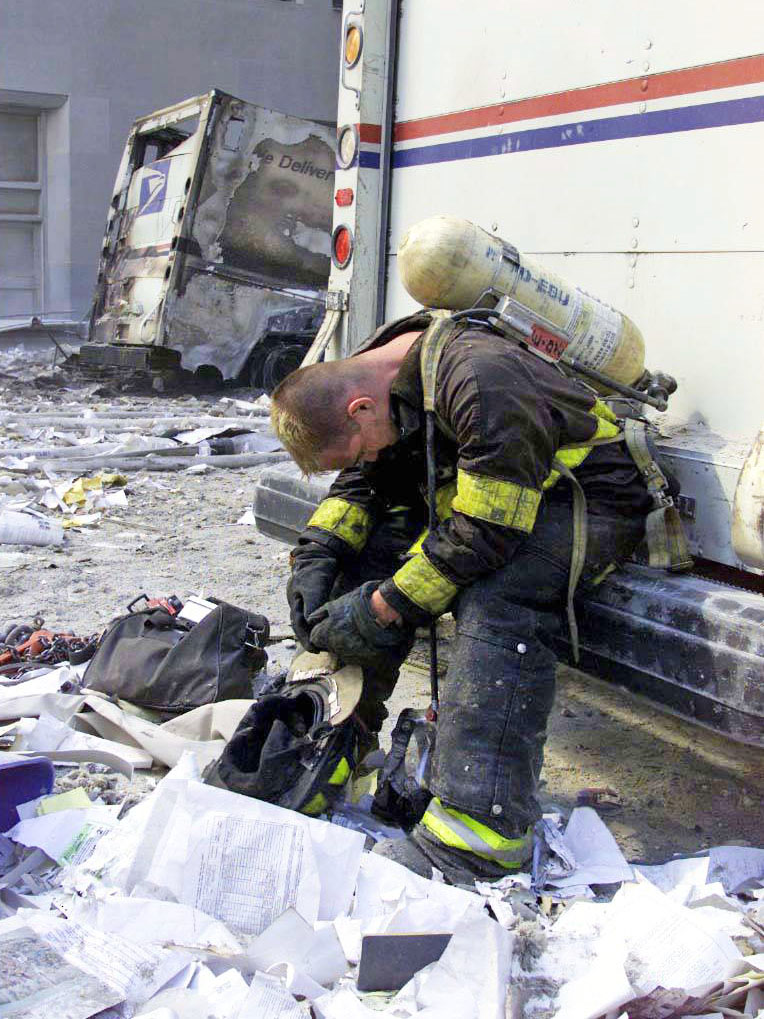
x,y
498,691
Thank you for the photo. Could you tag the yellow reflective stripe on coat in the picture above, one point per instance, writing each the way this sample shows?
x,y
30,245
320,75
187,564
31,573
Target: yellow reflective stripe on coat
x,y
574,456
315,806
344,519
498,502
444,498
424,585
460,831
341,773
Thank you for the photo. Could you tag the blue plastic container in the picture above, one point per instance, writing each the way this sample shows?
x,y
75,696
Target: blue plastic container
x,y
22,779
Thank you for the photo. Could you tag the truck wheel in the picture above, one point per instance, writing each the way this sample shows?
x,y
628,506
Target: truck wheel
x,y
279,363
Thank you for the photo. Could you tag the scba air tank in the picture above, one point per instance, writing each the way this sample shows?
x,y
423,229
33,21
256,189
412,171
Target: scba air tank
x,y
445,262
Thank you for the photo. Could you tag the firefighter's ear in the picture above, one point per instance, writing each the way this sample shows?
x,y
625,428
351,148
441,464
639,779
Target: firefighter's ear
x,y
361,405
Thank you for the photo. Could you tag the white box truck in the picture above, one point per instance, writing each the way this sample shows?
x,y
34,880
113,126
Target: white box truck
x,y
621,146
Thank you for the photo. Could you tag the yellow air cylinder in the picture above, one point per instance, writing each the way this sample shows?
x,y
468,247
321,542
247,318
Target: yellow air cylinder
x,y
446,262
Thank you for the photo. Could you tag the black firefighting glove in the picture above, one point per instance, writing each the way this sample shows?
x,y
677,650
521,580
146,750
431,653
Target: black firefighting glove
x,y
314,571
348,627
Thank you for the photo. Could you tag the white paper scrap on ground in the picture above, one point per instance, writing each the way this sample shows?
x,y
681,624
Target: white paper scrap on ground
x,y
599,861
37,983
676,873
470,979
316,954
64,834
267,999
51,734
601,987
38,694
667,946
242,861
343,1004
737,867
384,888
227,995
136,971
150,921
113,858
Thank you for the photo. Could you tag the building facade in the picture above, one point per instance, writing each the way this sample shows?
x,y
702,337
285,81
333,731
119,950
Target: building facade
x,y
74,74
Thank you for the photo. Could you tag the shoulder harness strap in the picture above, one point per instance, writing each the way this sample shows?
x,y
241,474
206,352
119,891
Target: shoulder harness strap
x,y
666,541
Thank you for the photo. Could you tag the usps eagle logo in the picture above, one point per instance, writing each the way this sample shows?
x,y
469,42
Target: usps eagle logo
x,y
153,187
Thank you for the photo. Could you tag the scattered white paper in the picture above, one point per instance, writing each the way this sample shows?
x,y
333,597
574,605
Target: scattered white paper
x,y
676,873
384,888
240,860
667,946
50,734
267,999
155,922
66,835
737,867
470,979
599,861
36,982
316,954
135,971
227,995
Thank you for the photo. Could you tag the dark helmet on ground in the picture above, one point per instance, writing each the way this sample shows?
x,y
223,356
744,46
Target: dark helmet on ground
x,y
296,746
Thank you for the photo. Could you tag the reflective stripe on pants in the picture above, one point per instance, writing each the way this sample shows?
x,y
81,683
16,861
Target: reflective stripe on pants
x,y
460,831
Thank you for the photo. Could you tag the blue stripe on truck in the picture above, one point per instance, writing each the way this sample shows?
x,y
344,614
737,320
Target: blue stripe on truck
x,y
749,110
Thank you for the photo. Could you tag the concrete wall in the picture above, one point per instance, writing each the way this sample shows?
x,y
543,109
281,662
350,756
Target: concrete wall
x,y
108,61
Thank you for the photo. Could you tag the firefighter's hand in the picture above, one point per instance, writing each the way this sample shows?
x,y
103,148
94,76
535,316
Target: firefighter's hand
x,y
314,570
349,628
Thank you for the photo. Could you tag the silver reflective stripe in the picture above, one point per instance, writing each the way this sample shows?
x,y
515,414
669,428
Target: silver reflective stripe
x,y
478,846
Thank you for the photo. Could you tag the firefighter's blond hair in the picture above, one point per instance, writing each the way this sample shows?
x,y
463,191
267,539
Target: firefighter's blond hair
x,y
309,411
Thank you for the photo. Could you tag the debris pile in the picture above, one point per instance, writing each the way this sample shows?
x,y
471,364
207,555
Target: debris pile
x,y
172,899
66,464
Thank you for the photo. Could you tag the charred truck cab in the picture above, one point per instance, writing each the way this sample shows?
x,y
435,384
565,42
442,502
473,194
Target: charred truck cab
x,y
215,258
631,169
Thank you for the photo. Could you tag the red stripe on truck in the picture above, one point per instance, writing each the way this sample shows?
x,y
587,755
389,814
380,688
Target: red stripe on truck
x,y
725,74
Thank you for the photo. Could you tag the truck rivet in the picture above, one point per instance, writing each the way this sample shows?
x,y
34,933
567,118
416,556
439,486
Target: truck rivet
x,y
642,107
494,226
631,283
522,648
646,65
496,808
635,222
634,242
644,84
649,44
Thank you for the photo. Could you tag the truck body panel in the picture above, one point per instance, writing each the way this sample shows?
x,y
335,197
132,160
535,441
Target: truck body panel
x,y
621,150
619,147
218,234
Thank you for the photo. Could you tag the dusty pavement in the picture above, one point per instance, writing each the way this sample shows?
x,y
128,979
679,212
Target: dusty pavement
x,y
680,788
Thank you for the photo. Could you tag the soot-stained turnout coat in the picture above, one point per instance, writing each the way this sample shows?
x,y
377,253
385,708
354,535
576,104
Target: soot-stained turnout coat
x,y
504,417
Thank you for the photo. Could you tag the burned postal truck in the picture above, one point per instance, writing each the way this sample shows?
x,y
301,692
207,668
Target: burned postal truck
x,y
215,258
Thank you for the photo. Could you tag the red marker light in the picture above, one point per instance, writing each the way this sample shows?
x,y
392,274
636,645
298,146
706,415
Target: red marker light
x,y
344,196
342,246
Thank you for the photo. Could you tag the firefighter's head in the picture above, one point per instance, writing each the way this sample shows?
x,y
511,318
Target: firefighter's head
x,y
336,414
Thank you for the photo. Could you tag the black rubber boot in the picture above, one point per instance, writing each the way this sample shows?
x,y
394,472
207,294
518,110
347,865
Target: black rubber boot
x,y
420,852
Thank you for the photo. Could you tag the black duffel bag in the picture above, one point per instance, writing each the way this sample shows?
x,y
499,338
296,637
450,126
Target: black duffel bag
x,y
155,660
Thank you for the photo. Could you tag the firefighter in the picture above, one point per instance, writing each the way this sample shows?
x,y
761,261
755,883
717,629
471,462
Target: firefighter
x,y
515,439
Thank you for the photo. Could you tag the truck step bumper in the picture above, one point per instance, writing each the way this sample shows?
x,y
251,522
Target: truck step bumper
x,y
693,646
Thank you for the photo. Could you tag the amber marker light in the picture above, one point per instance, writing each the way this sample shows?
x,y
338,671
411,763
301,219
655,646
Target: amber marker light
x,y
342,246
353,45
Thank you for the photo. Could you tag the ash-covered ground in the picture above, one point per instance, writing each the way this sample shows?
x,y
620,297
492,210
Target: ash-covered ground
x,y
680,788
